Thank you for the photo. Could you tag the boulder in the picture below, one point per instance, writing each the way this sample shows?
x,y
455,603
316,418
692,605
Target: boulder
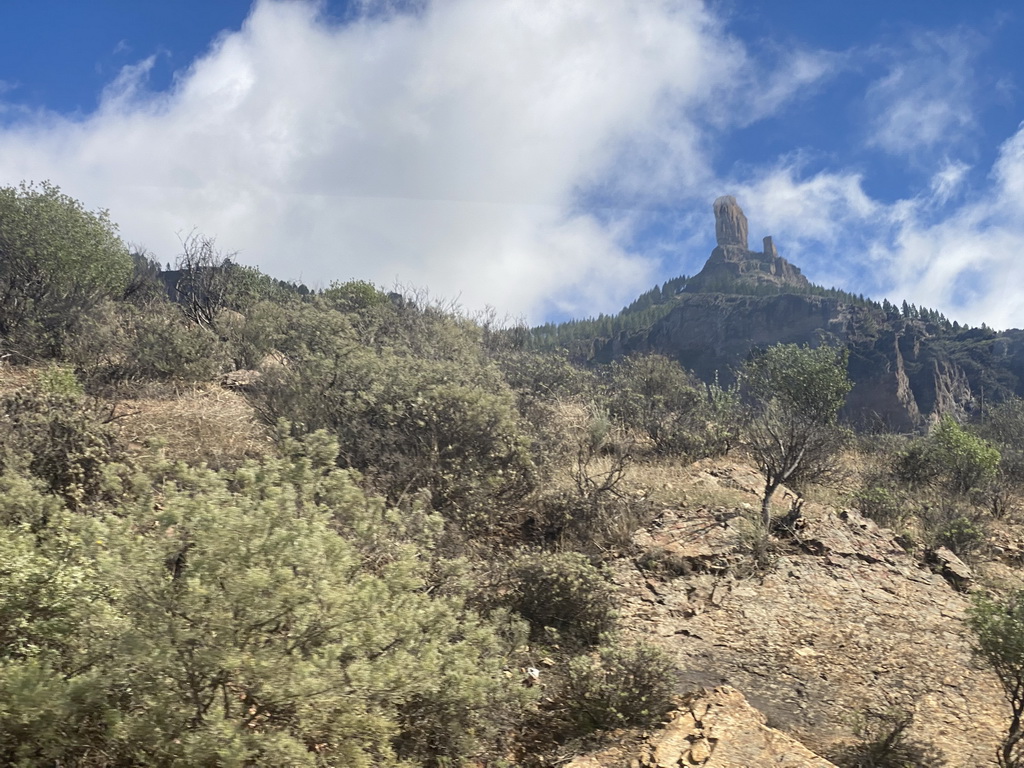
x,y
715,729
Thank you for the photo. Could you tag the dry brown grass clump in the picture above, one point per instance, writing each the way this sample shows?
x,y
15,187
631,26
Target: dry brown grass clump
x,y
204,423
14,377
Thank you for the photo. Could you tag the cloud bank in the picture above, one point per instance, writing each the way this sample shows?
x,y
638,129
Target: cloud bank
x,y
443,148
510,153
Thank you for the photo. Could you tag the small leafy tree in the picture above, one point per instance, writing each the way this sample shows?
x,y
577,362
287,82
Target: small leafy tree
x,y
952,457
57,261
999,639
795,393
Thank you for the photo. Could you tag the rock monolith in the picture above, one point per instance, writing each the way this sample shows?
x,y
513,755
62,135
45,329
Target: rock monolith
x,y
730,222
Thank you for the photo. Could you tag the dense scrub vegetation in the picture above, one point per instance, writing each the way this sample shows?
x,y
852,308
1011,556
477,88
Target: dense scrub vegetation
x,y
328,602
656,303
413,571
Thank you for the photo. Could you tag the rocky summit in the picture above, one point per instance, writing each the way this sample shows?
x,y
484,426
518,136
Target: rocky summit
x,y
733,264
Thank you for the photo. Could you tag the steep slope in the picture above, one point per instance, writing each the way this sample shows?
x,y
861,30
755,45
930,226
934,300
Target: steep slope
x,y
842,620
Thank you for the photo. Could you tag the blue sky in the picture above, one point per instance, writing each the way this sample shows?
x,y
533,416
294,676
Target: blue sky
x,y
549,159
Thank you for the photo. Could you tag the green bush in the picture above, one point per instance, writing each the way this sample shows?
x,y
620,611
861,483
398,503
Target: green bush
x,y
884,505
950,456
125,343
884,742
445,423
273,615
615,687
55,437
998,628
676,411
161,346
563,592
57,261
957,526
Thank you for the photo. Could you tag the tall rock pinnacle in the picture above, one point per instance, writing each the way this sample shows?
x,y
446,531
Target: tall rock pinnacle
x,y
730,222
734,268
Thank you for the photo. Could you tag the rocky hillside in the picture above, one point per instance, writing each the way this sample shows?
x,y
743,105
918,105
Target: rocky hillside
x,y
840,621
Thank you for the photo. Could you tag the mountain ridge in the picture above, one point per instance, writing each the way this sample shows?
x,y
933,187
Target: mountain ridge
x,y
910,366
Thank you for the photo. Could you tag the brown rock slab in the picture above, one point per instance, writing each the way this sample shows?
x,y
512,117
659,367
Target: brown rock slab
x,y
716,729
845,621
730,222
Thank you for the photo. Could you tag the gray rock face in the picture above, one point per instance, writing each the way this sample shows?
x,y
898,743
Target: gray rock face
x,y
770,251
730,222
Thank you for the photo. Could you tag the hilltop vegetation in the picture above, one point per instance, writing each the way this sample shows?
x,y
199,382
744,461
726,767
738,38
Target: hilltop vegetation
x,y
416,528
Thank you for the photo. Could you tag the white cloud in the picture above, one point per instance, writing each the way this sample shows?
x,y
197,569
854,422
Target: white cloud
x,y
796,75
968,263
948,181
926,100
444,147
454,146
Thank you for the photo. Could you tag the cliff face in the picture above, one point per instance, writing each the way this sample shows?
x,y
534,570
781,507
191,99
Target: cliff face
x,y
905,371
712,334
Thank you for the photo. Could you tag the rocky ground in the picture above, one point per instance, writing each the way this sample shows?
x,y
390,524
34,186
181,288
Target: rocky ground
x,y
838,621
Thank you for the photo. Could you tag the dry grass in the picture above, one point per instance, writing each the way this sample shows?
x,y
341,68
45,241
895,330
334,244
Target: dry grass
x,y
200,424
14,377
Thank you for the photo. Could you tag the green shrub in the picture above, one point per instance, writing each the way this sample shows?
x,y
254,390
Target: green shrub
x,y
998,628
676,411
56,438
162,346
615,687
563,592
126,343
59,380
963,534
884,742
447,425
950,456
273,615
57,261
885,506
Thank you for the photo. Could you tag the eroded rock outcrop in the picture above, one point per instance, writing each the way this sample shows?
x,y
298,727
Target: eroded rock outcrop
x,y
730,222
733,263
